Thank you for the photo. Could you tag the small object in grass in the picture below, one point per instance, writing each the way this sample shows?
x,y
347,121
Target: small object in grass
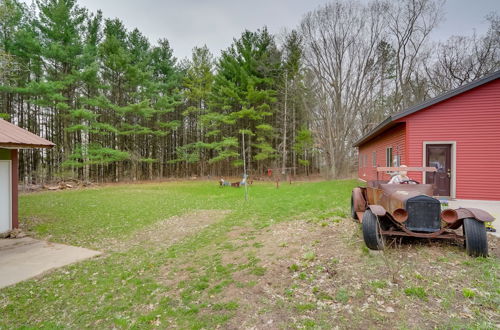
x,y
489,227
444,204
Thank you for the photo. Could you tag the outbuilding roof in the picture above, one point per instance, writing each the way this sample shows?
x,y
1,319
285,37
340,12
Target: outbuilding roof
x,y
12,136
390,121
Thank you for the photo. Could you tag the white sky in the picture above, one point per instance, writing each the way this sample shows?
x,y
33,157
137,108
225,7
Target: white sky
x,y
189,23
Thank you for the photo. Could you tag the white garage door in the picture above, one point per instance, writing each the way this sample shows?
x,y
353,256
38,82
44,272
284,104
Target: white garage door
x,y
5,196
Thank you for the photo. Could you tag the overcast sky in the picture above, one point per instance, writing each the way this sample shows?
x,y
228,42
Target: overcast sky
x,y
189,23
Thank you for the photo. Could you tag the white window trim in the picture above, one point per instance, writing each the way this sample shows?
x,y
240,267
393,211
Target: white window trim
x,y
453,158
9,162
397,160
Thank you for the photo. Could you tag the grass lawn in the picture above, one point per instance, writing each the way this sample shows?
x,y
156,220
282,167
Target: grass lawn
x,y
192,255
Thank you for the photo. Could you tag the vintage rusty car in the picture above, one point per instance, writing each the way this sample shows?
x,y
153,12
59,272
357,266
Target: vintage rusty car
x,y
409,209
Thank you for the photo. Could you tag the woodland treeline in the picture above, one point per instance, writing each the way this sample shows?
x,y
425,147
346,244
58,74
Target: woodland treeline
x,y
119,107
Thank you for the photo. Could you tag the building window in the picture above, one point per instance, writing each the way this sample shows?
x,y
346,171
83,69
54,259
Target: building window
x,y
374,159
398,160
388,157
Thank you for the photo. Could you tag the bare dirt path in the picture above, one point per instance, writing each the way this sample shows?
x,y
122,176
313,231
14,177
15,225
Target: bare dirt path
x,y
170,231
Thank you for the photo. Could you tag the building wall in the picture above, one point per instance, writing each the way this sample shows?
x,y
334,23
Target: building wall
x,y
395,138
472,120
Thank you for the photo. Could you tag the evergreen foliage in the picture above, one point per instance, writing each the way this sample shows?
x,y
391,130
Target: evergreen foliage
x,y
118,107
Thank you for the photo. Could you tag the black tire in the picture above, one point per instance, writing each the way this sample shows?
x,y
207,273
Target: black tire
x,y
476,242
353,211
374,240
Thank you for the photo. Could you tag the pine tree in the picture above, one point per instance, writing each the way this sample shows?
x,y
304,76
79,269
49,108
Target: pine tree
x,y
197,84
243,97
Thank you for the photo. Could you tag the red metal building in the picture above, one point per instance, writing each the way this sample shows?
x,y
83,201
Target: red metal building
x,y
457,132
13,138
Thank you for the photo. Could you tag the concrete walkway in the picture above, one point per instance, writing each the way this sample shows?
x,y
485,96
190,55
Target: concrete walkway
x,y
493,207
24,258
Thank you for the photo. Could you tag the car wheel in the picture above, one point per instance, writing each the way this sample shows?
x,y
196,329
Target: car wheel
x,y
371,231
476,242
353,211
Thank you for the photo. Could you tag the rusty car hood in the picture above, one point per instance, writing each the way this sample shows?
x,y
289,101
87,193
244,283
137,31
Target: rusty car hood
x,y
405,191
395,195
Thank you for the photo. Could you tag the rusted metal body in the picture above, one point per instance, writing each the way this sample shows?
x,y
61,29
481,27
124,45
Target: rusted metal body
x,y
439,234
359,200
478,214
406,209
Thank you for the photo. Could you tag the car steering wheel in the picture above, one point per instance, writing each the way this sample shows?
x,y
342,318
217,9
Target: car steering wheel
x,y
409,181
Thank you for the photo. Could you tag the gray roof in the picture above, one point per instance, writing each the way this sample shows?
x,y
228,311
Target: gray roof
x,y
390,121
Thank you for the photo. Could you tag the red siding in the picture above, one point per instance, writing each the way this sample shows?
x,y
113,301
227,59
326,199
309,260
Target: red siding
x,y
472,120
395,138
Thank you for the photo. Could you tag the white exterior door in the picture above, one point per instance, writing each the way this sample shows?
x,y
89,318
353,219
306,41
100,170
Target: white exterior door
x,y
5,196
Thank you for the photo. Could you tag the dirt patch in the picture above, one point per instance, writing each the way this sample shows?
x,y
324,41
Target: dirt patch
x,y
311,274
285,252
170,231
494,246
320,274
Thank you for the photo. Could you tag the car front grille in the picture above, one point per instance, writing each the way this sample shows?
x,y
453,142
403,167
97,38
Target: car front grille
x,y
423,214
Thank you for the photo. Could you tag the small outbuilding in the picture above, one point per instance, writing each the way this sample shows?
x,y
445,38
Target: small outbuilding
x,y
13,138
458,133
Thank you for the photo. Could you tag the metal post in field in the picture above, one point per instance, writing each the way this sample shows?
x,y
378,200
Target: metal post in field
x,y
244,166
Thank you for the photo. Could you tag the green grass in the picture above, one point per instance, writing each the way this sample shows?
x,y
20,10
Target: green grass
x,y
229,270
468,293
342,296
305,307
377,284
418,292
87,217
121,288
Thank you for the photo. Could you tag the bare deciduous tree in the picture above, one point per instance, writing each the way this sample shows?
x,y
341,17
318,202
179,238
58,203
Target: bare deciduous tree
x,y
410,23
367,62
341,40
462,59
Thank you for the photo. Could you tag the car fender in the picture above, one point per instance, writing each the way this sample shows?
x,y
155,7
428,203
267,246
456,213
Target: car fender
x,y
377,210
478,214
359,200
